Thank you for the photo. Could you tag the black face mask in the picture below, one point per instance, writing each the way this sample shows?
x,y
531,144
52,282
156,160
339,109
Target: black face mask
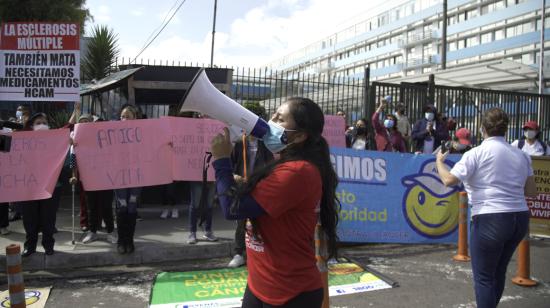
x,y
361,130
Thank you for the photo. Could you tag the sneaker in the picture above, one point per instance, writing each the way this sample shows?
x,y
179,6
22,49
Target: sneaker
x,y
90,237
4,231
164,214
139,218
209,236
175,213
192,239
112,238
237,261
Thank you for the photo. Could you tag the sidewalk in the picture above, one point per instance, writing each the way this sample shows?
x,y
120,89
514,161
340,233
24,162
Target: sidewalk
x,y
156,240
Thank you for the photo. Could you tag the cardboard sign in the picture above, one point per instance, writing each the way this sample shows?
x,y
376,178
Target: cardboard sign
x,y
123,154
39,61
191,140
31,169
334,131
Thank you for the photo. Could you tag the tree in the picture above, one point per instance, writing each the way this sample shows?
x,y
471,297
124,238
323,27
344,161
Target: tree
x,y
45,10
256,108
102,53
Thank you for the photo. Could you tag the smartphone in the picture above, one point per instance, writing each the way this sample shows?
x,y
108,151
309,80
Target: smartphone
x,y
444,147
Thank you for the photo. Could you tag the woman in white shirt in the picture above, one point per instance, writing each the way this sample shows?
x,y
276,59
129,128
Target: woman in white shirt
x,y
530,142
500,216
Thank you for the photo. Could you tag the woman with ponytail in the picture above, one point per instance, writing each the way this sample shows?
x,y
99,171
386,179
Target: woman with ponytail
x,y
283,202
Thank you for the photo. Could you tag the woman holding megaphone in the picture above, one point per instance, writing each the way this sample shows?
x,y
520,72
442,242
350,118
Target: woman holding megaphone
x,y
284,201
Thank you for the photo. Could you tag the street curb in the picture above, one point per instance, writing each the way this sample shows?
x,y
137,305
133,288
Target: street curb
x,y
145,253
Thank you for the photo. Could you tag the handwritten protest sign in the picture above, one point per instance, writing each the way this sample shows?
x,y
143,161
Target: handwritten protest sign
x,y
539,207
31,169
39,61
334,131
191,139
123,154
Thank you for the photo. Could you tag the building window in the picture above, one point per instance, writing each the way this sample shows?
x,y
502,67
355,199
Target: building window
x,y
472,41
499,34
486,38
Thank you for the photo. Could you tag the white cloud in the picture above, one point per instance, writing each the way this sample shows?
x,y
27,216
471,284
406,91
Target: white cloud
x,y
137,12
267,32
164,16
103,14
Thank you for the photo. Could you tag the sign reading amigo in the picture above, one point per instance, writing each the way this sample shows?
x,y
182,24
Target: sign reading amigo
x,y
39,61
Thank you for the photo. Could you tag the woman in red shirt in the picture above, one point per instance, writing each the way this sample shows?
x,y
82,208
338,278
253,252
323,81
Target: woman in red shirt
x,y
283,201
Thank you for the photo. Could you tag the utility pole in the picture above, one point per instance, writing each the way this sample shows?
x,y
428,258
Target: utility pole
x,y
213,34
444,37
541,43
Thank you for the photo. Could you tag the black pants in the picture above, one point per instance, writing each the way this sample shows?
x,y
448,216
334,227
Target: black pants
x,y
309,299
240,247
4,215
39,215
100,205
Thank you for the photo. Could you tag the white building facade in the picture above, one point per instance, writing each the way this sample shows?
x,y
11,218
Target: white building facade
x,y
406,40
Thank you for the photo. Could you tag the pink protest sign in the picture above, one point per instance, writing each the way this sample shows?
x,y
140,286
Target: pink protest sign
x,y
123,154
334,131
191,139
31,168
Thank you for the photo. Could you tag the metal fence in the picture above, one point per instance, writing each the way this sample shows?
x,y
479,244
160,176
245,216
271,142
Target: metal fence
x,y
466,105
357,97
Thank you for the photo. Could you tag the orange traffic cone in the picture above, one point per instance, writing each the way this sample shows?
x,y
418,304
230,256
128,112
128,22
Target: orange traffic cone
x,y
523,274
462,250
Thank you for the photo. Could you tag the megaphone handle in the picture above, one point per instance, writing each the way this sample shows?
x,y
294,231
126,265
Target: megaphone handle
x,y
245,165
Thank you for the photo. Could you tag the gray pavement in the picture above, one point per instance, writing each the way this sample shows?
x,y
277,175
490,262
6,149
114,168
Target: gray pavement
x,y
94,275
156,240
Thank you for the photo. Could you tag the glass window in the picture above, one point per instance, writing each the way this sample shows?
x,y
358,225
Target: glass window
x,y
461,17
510,31
499,34
472,41
486,38
527,58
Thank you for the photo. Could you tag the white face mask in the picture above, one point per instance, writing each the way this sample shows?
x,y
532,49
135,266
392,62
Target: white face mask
x,y
41,127
530,134
429,116
19,114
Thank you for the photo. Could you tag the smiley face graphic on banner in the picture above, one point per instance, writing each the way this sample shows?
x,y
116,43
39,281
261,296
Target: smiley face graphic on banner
x,y
430,208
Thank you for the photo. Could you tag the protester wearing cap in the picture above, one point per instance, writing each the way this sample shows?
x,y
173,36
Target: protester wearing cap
x,y
462,141
430,132
530,142
500,216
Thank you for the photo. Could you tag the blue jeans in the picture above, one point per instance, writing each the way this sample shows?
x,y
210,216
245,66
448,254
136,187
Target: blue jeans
x,y
195,192
494,238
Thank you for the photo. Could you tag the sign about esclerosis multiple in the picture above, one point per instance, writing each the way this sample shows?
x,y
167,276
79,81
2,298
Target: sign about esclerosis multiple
x,y
394,198
39,61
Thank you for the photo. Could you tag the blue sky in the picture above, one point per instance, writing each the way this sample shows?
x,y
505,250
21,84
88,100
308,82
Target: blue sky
x,y
249,33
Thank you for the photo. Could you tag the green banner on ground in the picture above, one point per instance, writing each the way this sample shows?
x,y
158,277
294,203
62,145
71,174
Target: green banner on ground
x,y
225,287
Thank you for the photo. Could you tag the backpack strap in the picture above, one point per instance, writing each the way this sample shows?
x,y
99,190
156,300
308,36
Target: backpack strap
x,y
521,143
544,146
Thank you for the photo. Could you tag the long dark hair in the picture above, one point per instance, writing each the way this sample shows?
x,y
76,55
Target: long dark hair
x,y
309,118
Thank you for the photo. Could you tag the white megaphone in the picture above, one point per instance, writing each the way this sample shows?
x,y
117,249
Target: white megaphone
x,y
202,96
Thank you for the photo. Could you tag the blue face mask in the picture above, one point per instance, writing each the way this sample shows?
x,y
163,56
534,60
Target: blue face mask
x,y
388,123
276,140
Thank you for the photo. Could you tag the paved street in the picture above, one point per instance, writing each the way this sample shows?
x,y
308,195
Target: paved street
x,y
426,275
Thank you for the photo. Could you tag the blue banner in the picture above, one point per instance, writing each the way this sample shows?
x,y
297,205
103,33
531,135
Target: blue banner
x,y
394,198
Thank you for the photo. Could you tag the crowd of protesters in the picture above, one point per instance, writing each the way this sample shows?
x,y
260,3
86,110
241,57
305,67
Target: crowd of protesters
x,y
389,132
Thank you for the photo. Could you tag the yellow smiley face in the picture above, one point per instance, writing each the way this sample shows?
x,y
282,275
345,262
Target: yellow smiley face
x,y
430,215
